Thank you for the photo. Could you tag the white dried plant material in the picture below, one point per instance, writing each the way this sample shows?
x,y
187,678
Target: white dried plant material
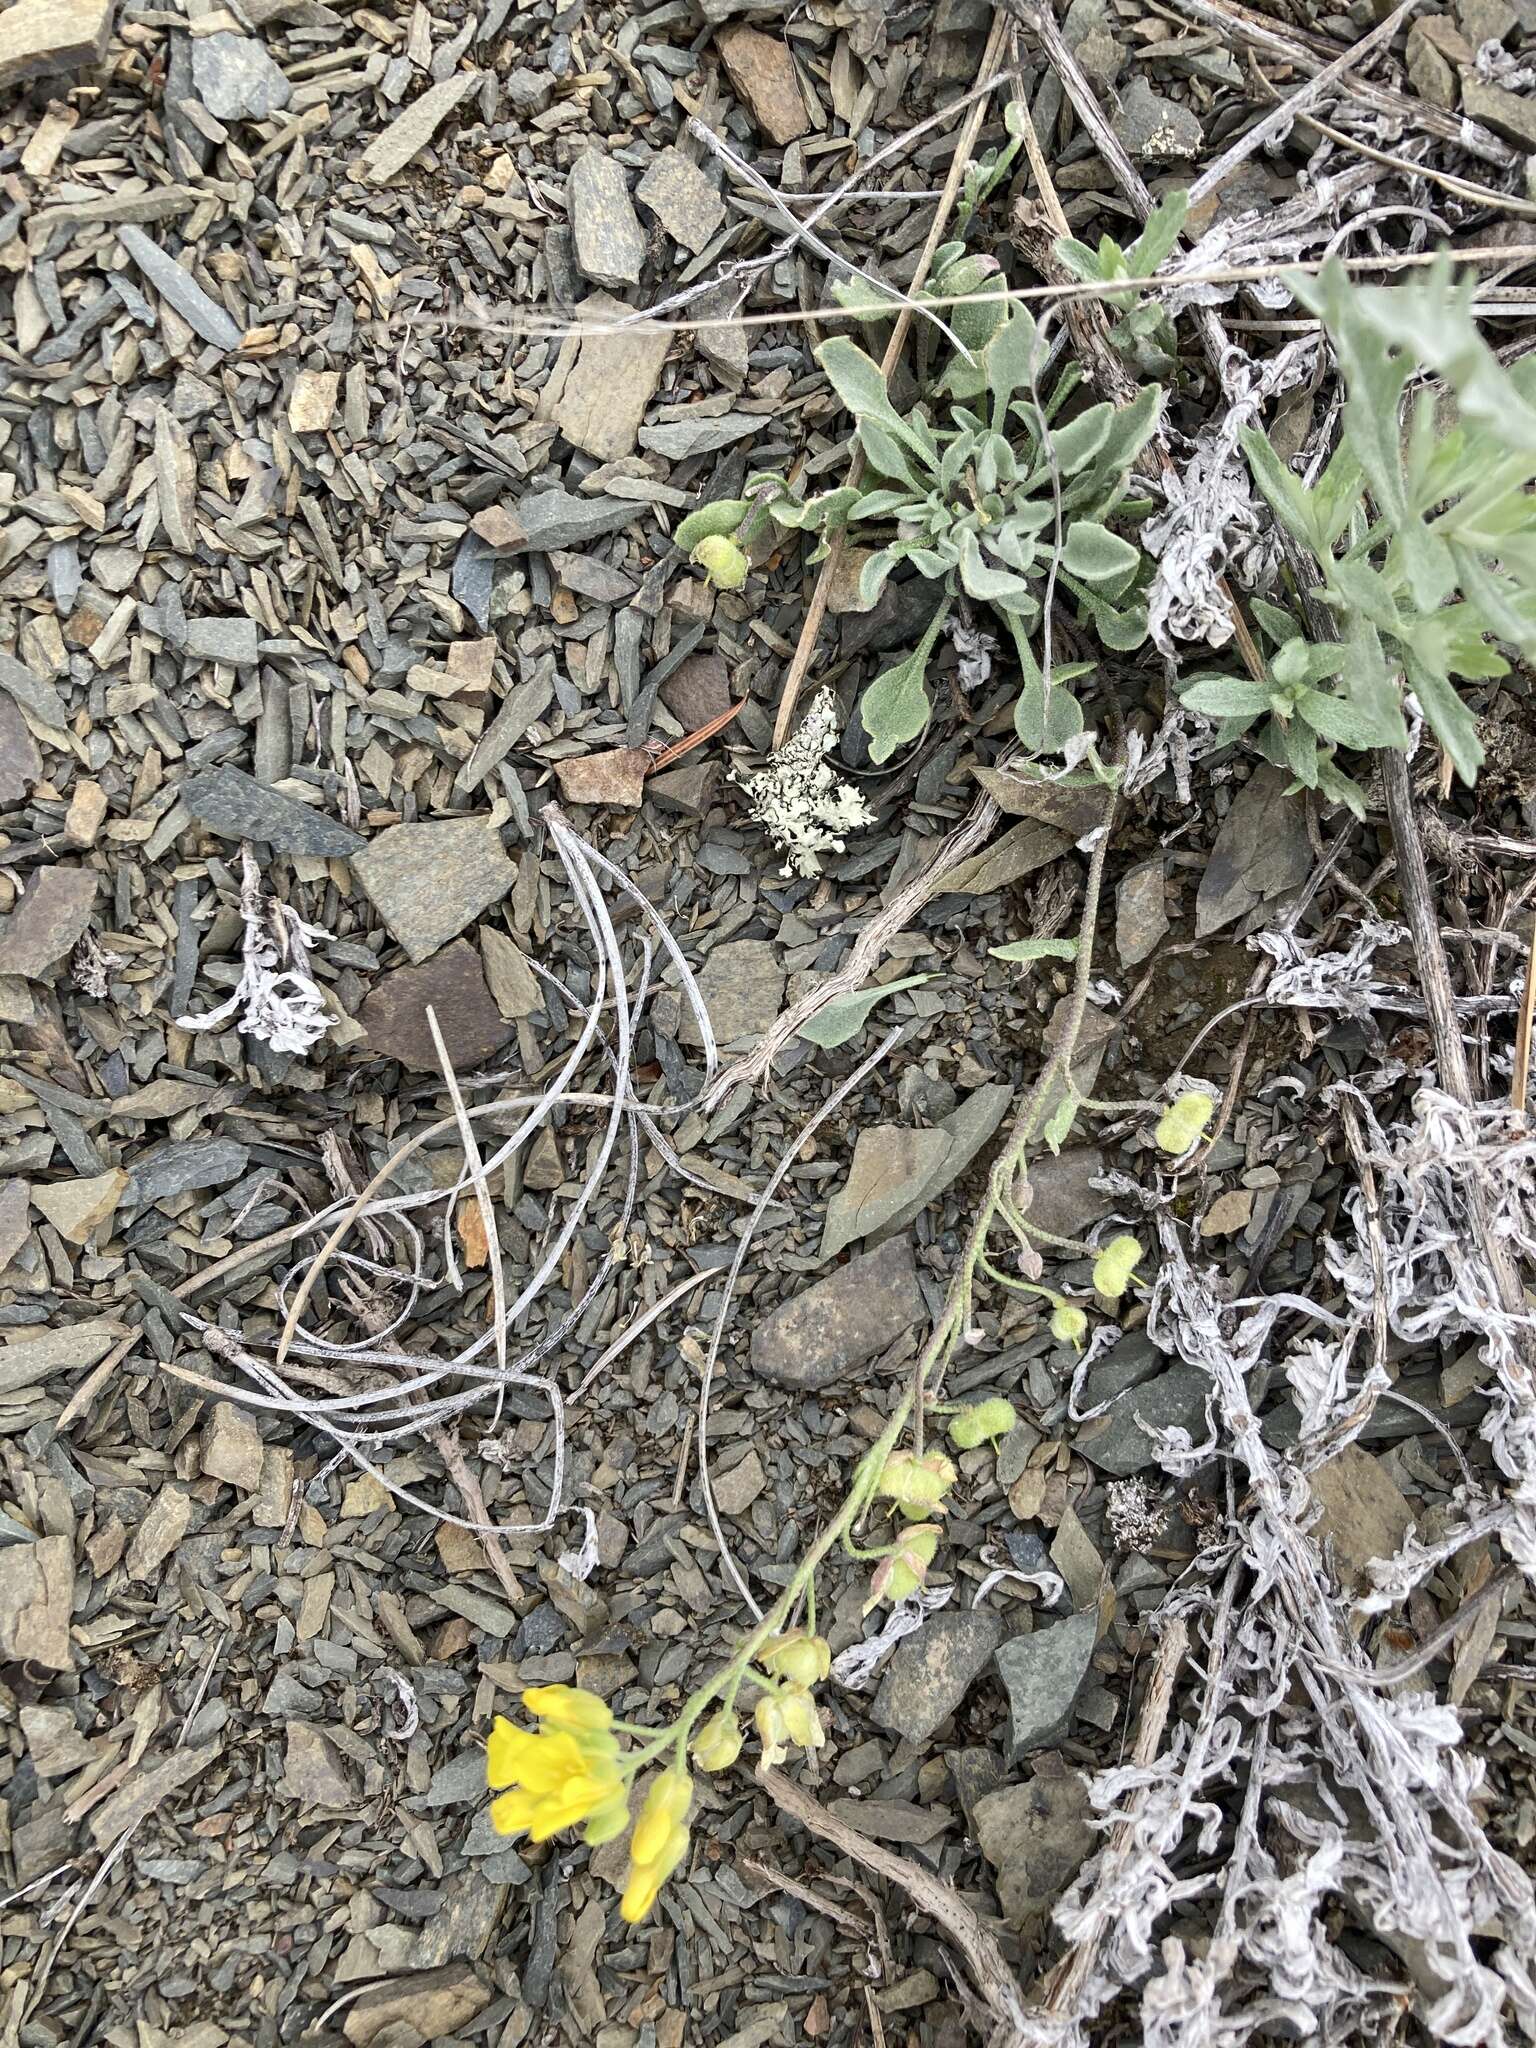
x,y
1345,980
389,1392
806,809
1210,506
977,651
1436,1281
855,1668
581,1564
1312,1795
276,1000
90,964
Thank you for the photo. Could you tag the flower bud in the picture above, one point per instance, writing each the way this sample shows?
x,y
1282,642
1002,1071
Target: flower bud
x,y
801,1658
723,563
982,1423
718,1743
1115,1267
1069,1325
1180,1125
904,1568
801,1720
917,1485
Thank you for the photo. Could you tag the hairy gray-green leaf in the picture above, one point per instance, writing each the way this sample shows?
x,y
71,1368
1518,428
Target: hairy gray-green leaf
x,y
846,1015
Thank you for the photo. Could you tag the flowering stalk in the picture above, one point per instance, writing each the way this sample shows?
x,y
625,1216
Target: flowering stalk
x,y
788,1662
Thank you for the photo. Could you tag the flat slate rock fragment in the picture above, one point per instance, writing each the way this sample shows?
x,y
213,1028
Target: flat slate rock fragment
x,y
429,880
614,776
763,73
423,2007
235,78
933,1669
387,154
829,1330
1036,1836
21,763
1117,1443
185,1166
600,387
453,984
683,200
36,1597
39,36
606,235
48,921
548,519
79,1206
742,983
1043,1673
234,641
180,290
677,440
237,806
1262,851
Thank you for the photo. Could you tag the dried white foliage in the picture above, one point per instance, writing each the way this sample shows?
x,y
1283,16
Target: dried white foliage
x,y
369,1394
799,801
276,1000
1437,1283
1210,504
977,650
1307,1792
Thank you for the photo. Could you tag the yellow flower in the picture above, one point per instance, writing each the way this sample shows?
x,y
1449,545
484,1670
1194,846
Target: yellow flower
x,y
718,1743
659,1843
786,1716
565,1774
797,1656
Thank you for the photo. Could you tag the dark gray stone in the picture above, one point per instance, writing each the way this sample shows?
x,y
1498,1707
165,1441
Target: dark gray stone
x,y
180,289
235,804
843,1321
20,762
182,1166
932,1671
606,233
541,521
1043,1672
452,983
1116,1442
47,922
234,641
429,880
235,78
1037,1837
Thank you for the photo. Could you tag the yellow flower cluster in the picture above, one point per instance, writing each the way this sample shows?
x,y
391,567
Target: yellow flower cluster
x,y
571,1772
565,1774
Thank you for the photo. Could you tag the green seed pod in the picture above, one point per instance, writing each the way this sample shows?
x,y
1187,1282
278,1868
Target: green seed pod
x,y
1069,1325
723,517
723,563
1180,1125
1115,1267
983,1423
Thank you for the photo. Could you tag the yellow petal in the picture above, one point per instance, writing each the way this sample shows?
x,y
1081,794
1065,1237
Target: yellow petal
x,y
568,1707
666,1804
504,1753
512,1813
639,1894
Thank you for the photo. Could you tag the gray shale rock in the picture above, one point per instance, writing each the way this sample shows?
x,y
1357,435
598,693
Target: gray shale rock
x,y
932,1671
843,1321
